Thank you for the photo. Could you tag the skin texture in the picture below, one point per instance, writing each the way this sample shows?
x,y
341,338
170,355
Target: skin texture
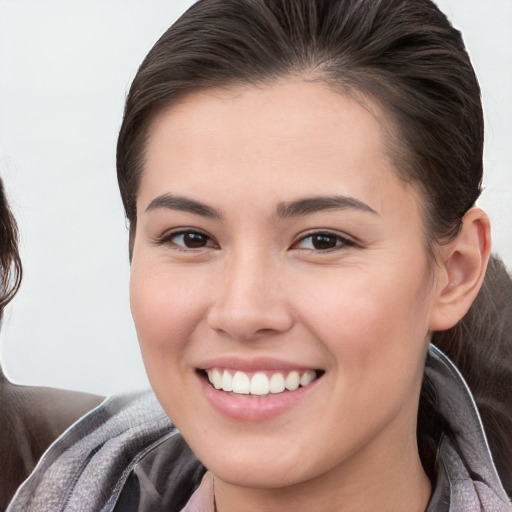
x,y
257,287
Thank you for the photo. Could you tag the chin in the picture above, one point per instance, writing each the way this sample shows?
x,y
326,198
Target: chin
x,y
258,472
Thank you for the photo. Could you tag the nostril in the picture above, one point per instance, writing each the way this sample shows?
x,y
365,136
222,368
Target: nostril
x,y
247,320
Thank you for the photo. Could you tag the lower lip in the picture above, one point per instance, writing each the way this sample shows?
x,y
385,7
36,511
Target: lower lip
x,y
251,407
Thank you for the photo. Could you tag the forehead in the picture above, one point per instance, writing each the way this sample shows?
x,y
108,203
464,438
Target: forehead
x,y
250,137
287,110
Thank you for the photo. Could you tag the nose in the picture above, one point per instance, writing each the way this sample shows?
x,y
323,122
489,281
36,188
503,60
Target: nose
x,y
250,302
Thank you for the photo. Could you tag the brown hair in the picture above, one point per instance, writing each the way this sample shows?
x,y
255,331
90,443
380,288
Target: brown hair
x,y
405,55
10,263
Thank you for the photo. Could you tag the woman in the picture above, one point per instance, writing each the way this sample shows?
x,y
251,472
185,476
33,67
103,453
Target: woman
x,y
300,179
31,418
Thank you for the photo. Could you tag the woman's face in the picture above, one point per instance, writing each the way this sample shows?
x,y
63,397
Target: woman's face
x,y
275,243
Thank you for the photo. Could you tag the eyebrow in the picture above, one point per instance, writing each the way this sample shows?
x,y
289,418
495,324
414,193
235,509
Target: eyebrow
x,y
304,206
316,204
184,204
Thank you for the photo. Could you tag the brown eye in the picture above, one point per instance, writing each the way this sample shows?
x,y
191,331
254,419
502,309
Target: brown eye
x,y
193,240
323,241
187,240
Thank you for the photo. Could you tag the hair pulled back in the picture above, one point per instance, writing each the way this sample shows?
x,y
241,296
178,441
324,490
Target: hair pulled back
x,y
405,56
10,263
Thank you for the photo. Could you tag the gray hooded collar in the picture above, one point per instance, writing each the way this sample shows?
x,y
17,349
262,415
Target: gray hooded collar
x,y
467,480
126,455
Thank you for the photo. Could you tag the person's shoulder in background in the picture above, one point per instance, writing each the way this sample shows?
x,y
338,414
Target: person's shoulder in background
x,y
31,418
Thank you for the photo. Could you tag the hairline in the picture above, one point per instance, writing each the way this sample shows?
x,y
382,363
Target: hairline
x,y
397,151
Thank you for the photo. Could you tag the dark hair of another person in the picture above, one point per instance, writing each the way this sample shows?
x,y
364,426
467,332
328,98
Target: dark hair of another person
x,y
10,263
405,57
31,418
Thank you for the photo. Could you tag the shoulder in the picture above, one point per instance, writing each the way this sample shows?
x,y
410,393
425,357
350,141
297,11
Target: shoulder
x,y
466,471
31,418
92,463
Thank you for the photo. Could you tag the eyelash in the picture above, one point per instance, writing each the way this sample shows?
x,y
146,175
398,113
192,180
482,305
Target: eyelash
x,y
167,239
340,241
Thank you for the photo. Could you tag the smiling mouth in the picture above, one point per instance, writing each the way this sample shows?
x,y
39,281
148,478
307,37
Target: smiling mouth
x,y
259,383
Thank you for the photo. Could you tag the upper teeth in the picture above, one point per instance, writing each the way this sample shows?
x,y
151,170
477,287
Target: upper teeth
x,y
260,383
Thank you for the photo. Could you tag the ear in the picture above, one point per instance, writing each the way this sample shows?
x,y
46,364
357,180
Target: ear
x,y
462,265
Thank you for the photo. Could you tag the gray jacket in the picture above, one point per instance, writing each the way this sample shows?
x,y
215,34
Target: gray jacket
x,y
126,456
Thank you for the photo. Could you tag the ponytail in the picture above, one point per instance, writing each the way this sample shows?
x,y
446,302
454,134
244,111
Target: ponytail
x,y
480,345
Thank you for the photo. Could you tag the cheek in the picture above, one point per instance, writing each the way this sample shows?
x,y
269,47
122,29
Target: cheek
x,y
373,325
167,307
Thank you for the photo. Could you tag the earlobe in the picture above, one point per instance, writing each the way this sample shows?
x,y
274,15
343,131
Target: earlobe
x,y
463,263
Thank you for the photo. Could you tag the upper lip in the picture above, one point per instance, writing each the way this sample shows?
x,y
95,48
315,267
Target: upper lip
x,y
253,364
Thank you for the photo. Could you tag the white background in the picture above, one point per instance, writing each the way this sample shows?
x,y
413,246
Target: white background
x,y
65,67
